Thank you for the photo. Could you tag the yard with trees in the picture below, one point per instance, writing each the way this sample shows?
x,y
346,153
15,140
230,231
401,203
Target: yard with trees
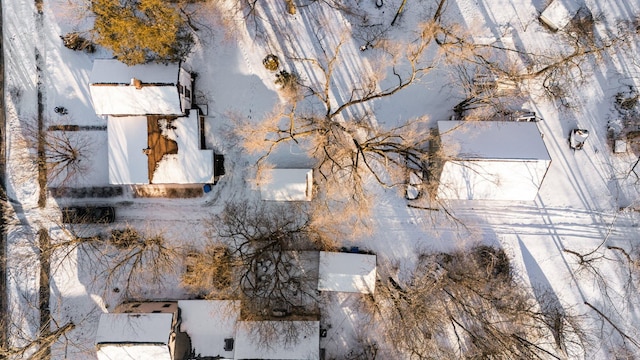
x,y
355,89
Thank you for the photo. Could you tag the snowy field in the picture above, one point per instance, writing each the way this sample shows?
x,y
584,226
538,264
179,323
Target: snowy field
x,y
588,201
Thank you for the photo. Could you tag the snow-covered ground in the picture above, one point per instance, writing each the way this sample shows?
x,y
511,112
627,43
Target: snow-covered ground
x,y
578,207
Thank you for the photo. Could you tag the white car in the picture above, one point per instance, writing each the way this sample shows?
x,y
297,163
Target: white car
x,y
577,138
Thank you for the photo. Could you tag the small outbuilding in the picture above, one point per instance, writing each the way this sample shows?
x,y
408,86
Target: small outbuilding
x,y
490,160
347,272
286,184
559,13
148,89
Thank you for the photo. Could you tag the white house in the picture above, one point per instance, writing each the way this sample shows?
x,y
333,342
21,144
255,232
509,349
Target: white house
x,y
147,89
154,135
559,13
287,340
135,336
157,150
491,160
347,272
286,184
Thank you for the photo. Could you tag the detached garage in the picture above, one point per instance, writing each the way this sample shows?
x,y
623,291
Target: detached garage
x,y
347,272
490,160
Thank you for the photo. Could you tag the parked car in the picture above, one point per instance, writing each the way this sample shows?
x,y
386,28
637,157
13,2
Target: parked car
x,y
88,214
577,138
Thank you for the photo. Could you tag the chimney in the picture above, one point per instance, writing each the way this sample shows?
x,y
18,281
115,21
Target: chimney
x,y
137,83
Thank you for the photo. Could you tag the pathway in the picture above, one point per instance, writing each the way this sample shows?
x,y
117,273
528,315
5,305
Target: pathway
x,y
3,199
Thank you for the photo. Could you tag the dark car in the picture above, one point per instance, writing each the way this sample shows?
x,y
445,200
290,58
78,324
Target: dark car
x,y
88,214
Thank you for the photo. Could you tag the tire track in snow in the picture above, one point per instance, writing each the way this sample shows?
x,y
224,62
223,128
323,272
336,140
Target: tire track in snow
x,y
563,222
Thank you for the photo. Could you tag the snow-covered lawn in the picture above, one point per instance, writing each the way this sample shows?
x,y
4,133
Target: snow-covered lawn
x,y
579,206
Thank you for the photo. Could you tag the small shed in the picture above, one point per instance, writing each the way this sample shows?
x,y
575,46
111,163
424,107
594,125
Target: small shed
x,y
147,89
282,340
211,325
490,160
559,13
135,336
286,184
347,272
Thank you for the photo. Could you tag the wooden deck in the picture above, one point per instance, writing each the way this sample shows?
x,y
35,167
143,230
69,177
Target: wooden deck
x,y
158,145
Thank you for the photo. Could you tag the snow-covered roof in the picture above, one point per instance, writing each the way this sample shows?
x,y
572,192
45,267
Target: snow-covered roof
x,y
111,71
191,165
513,140
134,352
209,323
113,93
122,328
491,160
287,184
128,137
305,346
559,13
491,180
347,272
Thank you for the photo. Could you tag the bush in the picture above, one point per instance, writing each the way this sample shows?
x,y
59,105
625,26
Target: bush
x,y
287,81
74,41
208,273
627,100
125,238
271,62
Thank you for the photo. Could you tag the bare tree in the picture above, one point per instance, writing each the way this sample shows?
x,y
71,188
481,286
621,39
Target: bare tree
x,y
556,69
266,244
30,327
132,259
258,254
66,153
466,305
36,349
126,259
340,135
615,291
488,96
210,272
283,334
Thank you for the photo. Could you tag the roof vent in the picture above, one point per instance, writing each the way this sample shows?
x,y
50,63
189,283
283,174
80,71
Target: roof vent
x,y
137,83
